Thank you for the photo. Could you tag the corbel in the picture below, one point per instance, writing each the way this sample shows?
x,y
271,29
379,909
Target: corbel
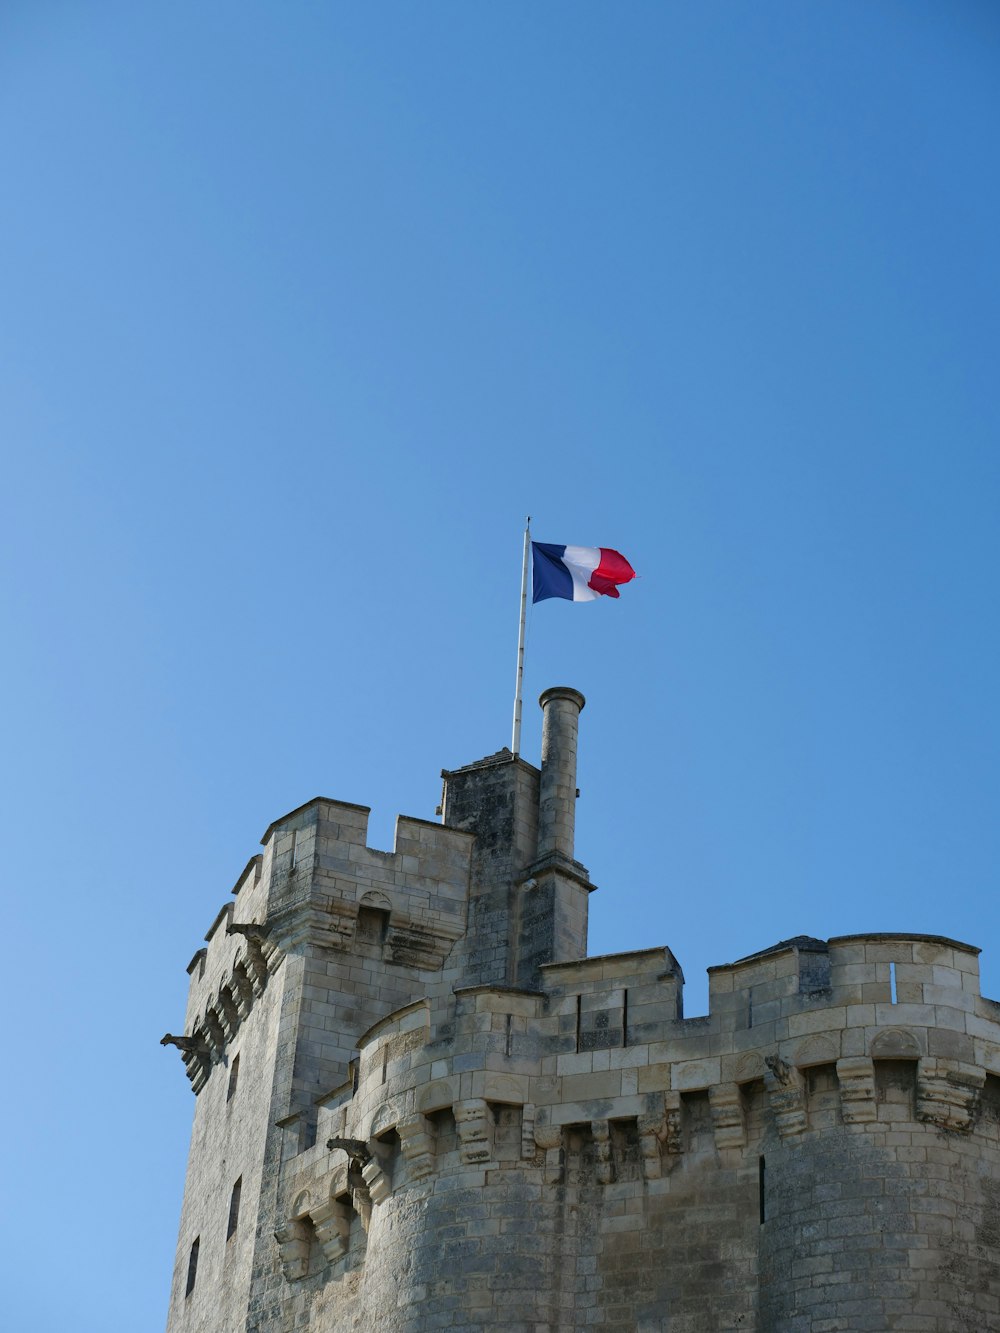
x,y
786,1091
856,1076
475,1131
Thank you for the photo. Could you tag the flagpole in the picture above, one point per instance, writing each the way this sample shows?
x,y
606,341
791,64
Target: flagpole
x,y
515,744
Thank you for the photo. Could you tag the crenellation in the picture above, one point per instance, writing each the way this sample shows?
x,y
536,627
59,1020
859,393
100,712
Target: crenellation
x,y
446,1117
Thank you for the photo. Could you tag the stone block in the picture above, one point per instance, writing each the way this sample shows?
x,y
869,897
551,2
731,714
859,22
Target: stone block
x,y
688,1075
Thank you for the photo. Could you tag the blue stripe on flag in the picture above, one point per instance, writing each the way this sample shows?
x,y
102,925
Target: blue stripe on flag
x,y
550,577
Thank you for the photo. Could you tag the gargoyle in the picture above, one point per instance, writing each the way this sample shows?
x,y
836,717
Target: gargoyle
x,y
250,929
195,1044
357,1151
778,1068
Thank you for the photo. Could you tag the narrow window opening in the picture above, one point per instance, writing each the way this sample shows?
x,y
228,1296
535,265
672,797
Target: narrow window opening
x,y
234,1075
750,1007
234,1209
892,983
385,1062
506,1048
192,1266
761,1192
625,1017
373,925
579,1007
295,838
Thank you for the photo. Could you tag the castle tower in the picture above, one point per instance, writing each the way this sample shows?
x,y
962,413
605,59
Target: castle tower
x,y
421,1106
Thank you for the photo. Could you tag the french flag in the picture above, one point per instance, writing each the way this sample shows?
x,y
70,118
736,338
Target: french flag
x,y
578,573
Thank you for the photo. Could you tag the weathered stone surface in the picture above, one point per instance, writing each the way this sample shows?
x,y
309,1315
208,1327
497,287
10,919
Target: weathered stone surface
x,y
528,1139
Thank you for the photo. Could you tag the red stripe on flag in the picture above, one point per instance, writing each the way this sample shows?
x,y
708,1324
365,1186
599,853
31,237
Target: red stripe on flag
x,y
612,569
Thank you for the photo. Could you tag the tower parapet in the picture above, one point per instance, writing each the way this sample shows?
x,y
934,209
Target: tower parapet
x,y
418,1110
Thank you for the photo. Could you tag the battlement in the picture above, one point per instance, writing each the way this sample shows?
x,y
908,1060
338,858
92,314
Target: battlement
x,y
555,1035
446,1115
855,969
327,884
602,1057
318,883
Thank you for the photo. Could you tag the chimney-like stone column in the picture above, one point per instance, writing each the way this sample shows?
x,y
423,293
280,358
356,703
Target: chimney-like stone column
x,y
552,902
561,708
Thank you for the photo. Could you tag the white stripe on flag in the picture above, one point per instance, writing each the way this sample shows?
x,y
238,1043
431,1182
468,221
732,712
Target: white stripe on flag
x,y
581,561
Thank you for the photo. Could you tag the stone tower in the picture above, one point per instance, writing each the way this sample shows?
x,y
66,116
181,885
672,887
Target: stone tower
x,y
420,1106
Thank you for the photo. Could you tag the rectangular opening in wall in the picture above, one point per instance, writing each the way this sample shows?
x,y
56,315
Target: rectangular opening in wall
x,y
192,1266
506,1132
696,1119
761,1193
442,1125
989,1103
754,1102
823,1096
387,1151
373,925
892,983
579,1007
625,1016
581,1157
234,1209
234,1074
625,1151
895,1089
291,859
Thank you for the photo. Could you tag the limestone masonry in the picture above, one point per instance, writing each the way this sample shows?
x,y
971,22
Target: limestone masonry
x,y
420,1106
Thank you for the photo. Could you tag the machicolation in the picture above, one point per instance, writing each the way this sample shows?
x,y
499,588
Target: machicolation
x,y
420,1106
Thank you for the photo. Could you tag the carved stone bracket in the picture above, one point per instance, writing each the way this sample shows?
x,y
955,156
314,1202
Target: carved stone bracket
x,y
197,1057
207,1044
673,1137
228,1013
293,1245
361,1201
601,1131
242,990
416,1140
528,1148
214,1033
947,1092
856,1075
549,1138
253,931
377,1181
652,1132
198,1070
332,1222
256,967
475,1131
786,1090
189,1045
728,1121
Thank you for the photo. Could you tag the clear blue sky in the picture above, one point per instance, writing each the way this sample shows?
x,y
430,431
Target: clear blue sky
x,y
302,307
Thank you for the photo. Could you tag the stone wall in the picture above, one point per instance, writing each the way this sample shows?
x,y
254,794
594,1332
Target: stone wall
x,y
825,1168
441,1116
